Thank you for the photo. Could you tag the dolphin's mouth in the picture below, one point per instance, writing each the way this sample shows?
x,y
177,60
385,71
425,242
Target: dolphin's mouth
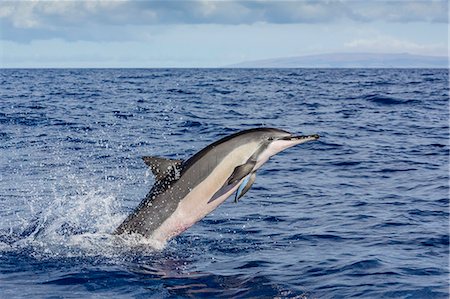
x,y
302,137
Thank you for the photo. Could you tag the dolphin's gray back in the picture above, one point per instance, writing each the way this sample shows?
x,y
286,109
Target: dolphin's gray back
x,y
163,199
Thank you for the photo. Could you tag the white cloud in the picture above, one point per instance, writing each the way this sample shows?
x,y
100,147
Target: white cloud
x,y
389,44
24,21
403,11
220,12
20,16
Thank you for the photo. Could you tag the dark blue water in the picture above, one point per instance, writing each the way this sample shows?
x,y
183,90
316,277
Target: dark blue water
x,y
363,212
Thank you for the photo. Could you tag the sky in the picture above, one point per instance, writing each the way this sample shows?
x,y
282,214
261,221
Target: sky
x,y
217,33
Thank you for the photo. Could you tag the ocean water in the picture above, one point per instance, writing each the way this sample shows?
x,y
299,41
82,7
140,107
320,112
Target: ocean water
x,y
363,212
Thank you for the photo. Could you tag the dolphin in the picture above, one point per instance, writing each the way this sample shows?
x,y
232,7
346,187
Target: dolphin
x,y
186,191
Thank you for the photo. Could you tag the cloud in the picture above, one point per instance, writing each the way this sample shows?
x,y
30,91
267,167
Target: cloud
x,y
402,11
79,20
389,44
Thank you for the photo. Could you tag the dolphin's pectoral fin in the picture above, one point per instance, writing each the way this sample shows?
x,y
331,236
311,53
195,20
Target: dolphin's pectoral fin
x,y
221,192
241,172
161,167
245,186
238,174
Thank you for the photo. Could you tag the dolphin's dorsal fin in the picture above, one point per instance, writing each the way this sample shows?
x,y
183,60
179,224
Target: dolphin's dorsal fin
x,y
161,167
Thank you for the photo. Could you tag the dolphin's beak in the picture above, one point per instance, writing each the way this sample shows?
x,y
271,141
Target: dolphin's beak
x,y
305,137
289,141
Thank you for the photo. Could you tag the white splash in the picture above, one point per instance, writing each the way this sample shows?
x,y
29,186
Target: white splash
x,y
80,223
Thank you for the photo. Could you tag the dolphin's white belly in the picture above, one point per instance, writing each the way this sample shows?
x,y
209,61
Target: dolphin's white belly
x,y
197,203
189,212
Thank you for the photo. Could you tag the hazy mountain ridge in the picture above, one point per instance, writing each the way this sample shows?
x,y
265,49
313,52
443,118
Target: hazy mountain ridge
x,y
350,60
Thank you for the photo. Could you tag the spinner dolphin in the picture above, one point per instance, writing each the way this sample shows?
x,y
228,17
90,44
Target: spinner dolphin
x,y
186,191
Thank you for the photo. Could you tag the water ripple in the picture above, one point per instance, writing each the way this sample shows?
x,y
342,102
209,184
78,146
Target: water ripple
x,y
361,213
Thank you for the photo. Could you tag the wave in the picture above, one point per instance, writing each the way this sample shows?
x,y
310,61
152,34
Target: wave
x,y
387,100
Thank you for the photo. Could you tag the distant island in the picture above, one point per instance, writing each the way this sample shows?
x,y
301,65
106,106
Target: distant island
x,y
350,60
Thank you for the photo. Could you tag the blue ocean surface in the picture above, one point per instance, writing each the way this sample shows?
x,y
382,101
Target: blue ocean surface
x,y
363,212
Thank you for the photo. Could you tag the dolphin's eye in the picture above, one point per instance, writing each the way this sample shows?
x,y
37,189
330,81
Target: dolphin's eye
x,y
270,138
